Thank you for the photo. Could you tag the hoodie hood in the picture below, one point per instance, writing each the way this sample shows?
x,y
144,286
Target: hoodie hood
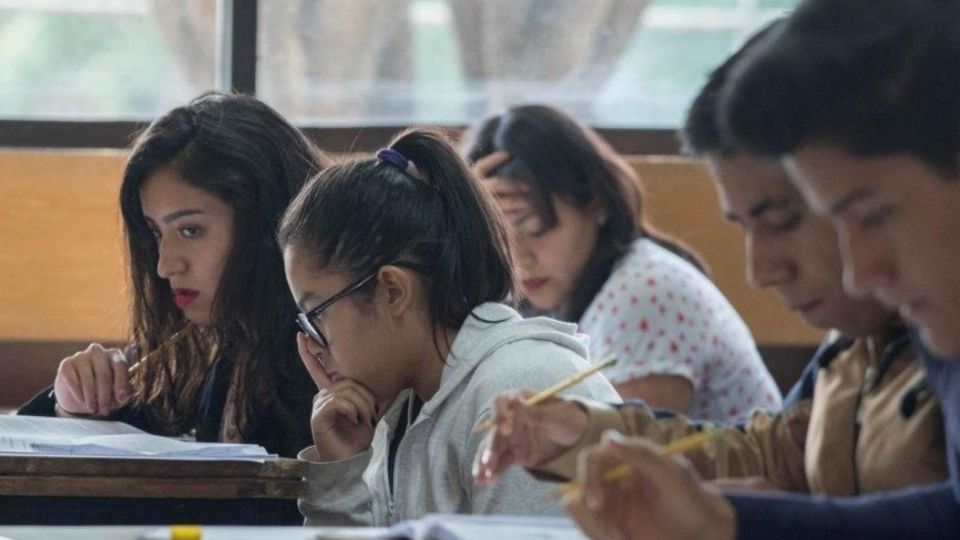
x,y
489,327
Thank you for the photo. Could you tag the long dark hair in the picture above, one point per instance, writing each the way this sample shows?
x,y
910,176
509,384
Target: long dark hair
x,y
553,154
243,152
359,215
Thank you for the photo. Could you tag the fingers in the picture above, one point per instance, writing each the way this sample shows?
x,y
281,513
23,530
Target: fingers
x,y
648,461
527,435
349,399
121,377
361,399
504,409
591,524
103,382
311,362
593,465
496,452
67,389
90,381
487,164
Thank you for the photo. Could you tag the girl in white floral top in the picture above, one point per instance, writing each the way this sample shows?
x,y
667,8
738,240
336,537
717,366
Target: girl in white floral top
x,y
584,253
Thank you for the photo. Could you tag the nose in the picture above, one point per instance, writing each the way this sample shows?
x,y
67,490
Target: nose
x,y
768,264
170,261
866,262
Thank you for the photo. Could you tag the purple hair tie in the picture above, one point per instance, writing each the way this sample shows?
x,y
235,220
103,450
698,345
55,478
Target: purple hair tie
x,y
398,160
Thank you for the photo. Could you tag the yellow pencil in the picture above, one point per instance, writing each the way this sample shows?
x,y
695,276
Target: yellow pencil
x,y
551,392
176,336
622,470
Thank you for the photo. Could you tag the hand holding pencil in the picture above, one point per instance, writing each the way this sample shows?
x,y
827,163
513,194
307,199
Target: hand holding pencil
x,y
532,429
628,487
96,380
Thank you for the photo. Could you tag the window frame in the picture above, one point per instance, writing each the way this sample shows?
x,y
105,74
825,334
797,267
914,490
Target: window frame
x,y
237,70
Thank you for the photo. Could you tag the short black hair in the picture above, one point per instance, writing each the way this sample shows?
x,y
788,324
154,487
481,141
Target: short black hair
x,y
874,77
701,133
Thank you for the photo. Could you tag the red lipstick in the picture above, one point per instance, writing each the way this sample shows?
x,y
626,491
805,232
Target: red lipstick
x,y
184,297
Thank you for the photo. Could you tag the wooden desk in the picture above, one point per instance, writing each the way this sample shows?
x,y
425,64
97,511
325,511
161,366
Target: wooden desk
x,y
79,490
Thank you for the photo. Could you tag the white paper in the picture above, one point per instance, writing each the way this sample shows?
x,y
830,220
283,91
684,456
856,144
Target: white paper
x,y
80,437
475,527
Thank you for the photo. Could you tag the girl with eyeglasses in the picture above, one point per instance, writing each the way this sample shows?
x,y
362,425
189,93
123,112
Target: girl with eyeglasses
x,y
202,194
585,254
400,265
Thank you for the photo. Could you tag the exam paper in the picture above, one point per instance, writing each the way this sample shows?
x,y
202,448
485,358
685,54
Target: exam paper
x,y
97,438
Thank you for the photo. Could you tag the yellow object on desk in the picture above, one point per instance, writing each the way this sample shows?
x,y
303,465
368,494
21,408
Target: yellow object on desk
x,y
551,392
186,532
622,470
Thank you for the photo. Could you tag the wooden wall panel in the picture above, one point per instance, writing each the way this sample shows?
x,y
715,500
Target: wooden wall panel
x,y
61,260
62,268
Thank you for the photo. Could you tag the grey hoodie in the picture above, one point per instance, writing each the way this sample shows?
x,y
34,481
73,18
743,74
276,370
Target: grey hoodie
x,y
432,472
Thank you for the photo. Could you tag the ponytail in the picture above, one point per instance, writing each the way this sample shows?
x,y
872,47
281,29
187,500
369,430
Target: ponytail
x,y
417,201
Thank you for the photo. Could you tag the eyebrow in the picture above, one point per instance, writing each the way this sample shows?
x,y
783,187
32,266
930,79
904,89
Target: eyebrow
x,y
845,203
179,214
760,208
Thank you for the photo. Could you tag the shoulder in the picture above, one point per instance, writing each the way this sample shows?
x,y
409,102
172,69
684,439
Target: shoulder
x,y
536,364
652,286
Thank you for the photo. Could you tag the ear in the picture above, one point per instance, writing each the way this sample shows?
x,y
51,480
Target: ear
x,y
398,287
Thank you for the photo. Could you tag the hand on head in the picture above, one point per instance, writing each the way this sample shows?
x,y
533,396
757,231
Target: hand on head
x,y
92,382
527,436
487,164
662,496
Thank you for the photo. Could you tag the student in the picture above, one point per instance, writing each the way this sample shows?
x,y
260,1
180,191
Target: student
x,y
863,420
202,193
871,137
399,265
585,254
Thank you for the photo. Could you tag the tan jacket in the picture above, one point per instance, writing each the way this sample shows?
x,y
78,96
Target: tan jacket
x,y
816,445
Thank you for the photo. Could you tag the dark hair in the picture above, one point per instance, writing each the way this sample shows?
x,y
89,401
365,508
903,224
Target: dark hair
x,y
874,77
243,152
357,216
553,154
701,134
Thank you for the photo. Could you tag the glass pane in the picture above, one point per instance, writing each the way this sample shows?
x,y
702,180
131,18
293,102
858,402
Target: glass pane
x,y
103,59
613,63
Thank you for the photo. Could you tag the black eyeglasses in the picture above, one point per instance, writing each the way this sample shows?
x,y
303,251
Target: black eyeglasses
x,y
305,320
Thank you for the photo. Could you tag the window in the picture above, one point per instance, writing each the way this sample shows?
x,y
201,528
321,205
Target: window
x,y
631,66
103,59
613,63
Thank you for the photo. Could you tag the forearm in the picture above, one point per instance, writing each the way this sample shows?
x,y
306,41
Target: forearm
x,y
768,446
338,494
